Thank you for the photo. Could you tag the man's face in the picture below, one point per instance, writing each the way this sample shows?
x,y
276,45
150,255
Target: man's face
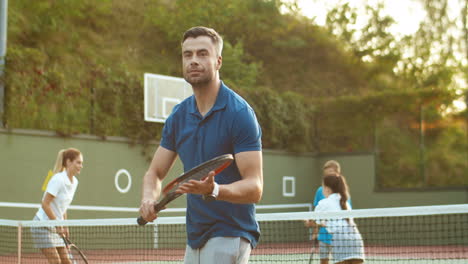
x,y
200,60
329,171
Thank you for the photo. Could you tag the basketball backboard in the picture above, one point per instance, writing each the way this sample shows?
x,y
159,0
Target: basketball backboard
x,y
162,93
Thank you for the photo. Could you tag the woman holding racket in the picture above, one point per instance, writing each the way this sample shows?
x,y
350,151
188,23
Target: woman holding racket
x,y
347,244
221,224
55,202
320,233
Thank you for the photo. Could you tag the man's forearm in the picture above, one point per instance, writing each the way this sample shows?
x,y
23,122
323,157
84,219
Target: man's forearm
x,y
151,187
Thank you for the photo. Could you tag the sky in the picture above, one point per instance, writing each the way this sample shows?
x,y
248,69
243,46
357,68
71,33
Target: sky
x,y
407,13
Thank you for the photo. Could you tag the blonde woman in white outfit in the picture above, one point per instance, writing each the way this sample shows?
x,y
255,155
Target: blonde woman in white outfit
x,y
347,244
55,202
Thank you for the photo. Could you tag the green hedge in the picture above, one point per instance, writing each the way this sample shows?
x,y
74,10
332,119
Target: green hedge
x,y
106,101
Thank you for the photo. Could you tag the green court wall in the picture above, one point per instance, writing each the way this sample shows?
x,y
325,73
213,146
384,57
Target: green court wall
x,y
26,156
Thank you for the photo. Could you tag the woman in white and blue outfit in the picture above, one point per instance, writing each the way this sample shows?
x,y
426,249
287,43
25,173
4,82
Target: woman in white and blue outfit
x,y
347,244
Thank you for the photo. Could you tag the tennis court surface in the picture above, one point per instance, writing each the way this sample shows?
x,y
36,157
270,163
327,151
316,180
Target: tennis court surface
x,y
427,234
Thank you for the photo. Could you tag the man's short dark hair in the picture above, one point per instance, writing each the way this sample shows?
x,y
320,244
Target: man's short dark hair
x,y
205,31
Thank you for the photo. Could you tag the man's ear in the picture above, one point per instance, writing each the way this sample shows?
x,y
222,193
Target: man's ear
x,y
219,62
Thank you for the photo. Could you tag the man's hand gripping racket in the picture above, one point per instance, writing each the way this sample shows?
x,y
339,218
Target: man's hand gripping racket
x,y
198,173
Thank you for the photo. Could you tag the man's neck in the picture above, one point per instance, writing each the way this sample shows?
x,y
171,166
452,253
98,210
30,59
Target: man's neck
x,y
206,95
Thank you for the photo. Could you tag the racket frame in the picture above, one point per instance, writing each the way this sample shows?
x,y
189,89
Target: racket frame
x,y
69,245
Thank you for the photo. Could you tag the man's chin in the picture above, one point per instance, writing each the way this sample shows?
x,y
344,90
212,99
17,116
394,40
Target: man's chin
x,y
195,81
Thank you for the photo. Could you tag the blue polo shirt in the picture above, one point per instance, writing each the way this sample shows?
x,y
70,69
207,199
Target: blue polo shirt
x,y
323,235
229,127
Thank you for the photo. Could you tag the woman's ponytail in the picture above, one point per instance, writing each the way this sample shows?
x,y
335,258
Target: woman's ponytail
x,y
343,191
59,162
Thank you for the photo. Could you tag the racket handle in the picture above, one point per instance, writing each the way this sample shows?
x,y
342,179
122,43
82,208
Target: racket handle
x,y
158,207
141,221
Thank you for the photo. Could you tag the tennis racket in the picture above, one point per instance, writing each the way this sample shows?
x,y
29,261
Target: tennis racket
x,y
74,253
312,224
315,245
198,173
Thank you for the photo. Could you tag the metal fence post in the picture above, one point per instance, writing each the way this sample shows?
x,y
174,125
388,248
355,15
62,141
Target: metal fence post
x,y
3,44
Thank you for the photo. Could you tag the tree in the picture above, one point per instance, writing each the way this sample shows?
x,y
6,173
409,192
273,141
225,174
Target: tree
x,y
372,43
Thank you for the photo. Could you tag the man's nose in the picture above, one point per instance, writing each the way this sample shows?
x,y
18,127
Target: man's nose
x,y
193,60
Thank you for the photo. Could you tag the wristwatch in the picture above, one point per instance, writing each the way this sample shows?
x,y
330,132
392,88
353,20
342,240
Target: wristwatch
x,y
213,195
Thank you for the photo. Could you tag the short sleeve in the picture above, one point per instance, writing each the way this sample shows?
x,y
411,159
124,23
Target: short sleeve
x,y
320,207
247,134
53,187
318,196
168,140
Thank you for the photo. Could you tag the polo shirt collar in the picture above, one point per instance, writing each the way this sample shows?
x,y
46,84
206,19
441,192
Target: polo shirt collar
x,y
65,176
335,196
221,101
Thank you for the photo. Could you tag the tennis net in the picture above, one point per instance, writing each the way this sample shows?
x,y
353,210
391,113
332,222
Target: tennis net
x,y
427,234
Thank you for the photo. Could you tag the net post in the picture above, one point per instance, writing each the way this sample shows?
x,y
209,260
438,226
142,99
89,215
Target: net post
x,y
20,231
156,236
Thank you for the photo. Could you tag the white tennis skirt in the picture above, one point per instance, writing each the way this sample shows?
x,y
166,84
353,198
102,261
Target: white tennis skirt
x,y
347,243
45,238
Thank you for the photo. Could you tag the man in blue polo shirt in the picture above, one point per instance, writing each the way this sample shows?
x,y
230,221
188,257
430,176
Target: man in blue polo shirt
x,y
221,225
